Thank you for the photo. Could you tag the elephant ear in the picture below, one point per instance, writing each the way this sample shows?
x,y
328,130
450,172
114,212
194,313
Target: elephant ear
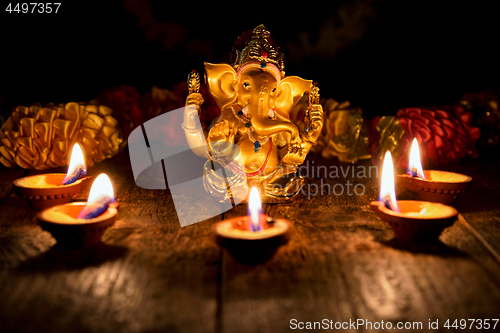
x,y
221,81
290,91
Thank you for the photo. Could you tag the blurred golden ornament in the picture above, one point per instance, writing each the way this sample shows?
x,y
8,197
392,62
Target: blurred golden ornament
x,y
40,138
390,134
344,135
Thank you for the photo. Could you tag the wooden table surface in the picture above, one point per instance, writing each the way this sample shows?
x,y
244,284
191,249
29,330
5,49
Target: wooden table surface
x,y
342,263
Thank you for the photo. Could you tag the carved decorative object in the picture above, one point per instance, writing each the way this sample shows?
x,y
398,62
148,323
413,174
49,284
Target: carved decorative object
x,y
255,98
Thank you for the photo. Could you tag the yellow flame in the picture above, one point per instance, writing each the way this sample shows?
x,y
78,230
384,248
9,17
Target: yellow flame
x,y
76,158
387,190
100,187
255,206
414,163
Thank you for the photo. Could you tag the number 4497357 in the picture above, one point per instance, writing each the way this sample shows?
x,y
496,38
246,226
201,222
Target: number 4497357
x,y
33,7
471,323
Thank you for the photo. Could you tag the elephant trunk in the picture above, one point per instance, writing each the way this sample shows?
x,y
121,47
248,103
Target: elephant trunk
x,y
262,125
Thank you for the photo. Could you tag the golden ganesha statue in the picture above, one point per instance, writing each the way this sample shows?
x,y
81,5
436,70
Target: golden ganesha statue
x,y
253,134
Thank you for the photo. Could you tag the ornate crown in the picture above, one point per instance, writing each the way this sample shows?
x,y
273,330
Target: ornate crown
x,y
257,46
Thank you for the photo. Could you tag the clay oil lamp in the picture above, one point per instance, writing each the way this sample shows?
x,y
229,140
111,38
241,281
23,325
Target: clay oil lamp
x,y
253,238
50,189
411,221
79,224
432,185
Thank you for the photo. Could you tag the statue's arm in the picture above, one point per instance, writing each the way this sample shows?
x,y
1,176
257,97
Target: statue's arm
x,y
300,147
195,136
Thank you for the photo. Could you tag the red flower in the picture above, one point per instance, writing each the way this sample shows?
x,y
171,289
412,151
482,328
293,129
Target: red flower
x,y
125,102
444,134
159,101
131,109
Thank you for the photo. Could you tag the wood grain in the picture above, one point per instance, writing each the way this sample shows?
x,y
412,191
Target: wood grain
x,y
480,206
149,274
341,263
7,177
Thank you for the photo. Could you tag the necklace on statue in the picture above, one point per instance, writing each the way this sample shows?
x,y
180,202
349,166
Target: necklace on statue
x,y
242,115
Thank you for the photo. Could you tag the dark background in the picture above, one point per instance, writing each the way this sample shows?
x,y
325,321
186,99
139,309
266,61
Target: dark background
x,y
380,55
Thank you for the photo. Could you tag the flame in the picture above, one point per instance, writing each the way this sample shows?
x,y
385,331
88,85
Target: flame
x,y
255,208
101,187
76,158
414,165
387,191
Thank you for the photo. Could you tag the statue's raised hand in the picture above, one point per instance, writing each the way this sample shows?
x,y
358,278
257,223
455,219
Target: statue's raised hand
x,y
299,147
195,99
314,121
314,116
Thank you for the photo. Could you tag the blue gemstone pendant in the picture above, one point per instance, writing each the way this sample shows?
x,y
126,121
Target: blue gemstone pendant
x,y
256,146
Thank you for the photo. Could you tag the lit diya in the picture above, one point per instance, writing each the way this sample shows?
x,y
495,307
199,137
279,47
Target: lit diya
x,y
50,189
79,224
410,220
255,237
433,185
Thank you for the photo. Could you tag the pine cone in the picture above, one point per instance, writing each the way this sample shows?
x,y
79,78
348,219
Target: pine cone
x,y
444,134
41,137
